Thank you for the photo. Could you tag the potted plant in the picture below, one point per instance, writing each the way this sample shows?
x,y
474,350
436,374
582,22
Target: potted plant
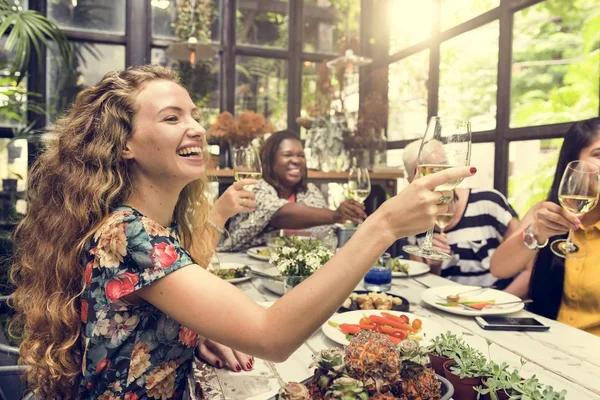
x,y
297,259
465,372
229,132
443,348
504,385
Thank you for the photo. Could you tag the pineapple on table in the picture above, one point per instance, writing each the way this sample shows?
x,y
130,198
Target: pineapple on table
x,y
374,360
418,380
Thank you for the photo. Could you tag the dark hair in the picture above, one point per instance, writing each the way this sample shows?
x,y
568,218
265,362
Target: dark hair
x,y
548,276
268,153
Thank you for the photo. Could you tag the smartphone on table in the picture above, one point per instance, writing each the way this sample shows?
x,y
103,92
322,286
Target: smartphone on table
x,y
502,323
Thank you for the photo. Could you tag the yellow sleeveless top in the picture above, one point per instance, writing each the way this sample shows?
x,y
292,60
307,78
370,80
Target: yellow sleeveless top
x,y
580,305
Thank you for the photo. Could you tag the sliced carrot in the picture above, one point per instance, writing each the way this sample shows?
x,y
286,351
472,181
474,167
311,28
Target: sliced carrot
x,y
390,322
355,328
394,317
392,331
394,340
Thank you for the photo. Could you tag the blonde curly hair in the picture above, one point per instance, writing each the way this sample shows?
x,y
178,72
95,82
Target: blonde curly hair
x,y
73,185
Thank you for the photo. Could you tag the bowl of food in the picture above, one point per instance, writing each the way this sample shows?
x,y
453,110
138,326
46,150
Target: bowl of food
x,y
366,300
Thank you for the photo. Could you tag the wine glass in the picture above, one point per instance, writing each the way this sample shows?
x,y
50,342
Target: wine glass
x,y
446,144
443,220
359,184
246,165
578,194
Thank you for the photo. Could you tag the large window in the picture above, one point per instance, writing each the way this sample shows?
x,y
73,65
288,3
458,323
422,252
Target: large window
x,y
90,63
330,26
407,97
261,86
409,23
468,78
556,54
89,15
263,23
520,71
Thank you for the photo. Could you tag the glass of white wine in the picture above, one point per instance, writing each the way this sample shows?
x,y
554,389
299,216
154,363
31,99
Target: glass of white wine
x,y
246,165
443,220
577,194
446,144
359,184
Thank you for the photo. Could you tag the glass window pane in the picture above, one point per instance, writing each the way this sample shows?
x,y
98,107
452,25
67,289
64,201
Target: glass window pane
x,y
261,85
91,62
468,77
407,97
531,168
454,12
317,90
92,15
482,157
409,23
201,81
330,26
167,15
263,23
556,53
13,108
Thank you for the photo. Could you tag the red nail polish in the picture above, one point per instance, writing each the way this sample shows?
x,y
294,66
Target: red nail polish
x,y
218,364
473,170
249,365
238,368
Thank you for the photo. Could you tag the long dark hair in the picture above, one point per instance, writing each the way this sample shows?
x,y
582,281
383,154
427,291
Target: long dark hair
x,y
268,153
548,276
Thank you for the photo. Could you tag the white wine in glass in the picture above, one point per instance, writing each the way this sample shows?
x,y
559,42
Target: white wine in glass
x,y
359,184
246,164
577,194
443,220
446,144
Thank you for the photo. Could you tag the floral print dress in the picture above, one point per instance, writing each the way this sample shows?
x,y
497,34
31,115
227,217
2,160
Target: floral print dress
x,y
131,351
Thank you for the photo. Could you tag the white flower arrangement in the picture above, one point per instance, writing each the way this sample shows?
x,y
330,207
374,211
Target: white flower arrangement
x,y
299,258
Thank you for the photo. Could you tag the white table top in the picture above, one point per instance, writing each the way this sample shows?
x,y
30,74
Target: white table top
x,y
563,357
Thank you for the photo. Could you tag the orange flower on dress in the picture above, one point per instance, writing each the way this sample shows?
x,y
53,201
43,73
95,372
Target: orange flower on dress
x,y
140,361
153,228
160,382
131,396
112,246
108,395
187,337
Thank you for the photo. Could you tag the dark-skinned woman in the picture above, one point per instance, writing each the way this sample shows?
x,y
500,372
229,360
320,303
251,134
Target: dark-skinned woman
x,y
285,200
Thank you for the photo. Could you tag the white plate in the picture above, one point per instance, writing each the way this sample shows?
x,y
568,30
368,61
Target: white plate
x,y
436,295
428,331
228,265
415,268
253,252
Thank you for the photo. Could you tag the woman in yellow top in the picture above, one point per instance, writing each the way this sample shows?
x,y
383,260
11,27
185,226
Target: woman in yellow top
x,y
566,290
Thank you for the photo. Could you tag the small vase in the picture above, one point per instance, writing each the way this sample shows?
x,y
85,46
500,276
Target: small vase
x,y
291,281
437,363
463,387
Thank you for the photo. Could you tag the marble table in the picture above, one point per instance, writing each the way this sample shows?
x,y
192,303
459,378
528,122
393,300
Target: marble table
x,y
563,357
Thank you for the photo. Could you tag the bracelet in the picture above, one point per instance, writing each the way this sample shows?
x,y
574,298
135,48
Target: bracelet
x,y
216,228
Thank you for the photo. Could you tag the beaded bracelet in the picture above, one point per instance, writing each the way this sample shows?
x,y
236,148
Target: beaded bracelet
x,y
218,229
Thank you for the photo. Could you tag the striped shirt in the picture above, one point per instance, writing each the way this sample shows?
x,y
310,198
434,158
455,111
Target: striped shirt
x,y
475,238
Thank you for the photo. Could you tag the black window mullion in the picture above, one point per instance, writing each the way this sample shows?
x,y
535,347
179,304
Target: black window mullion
x,y
295,43
36,83
227,84
503,97
433,86
138,32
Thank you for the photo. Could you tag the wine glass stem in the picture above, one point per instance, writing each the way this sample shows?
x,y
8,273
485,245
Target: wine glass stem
x,y
428,243
569,245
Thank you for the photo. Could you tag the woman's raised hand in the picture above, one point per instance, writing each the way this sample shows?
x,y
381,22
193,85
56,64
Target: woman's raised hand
x,y
550,219
236,200
415,209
